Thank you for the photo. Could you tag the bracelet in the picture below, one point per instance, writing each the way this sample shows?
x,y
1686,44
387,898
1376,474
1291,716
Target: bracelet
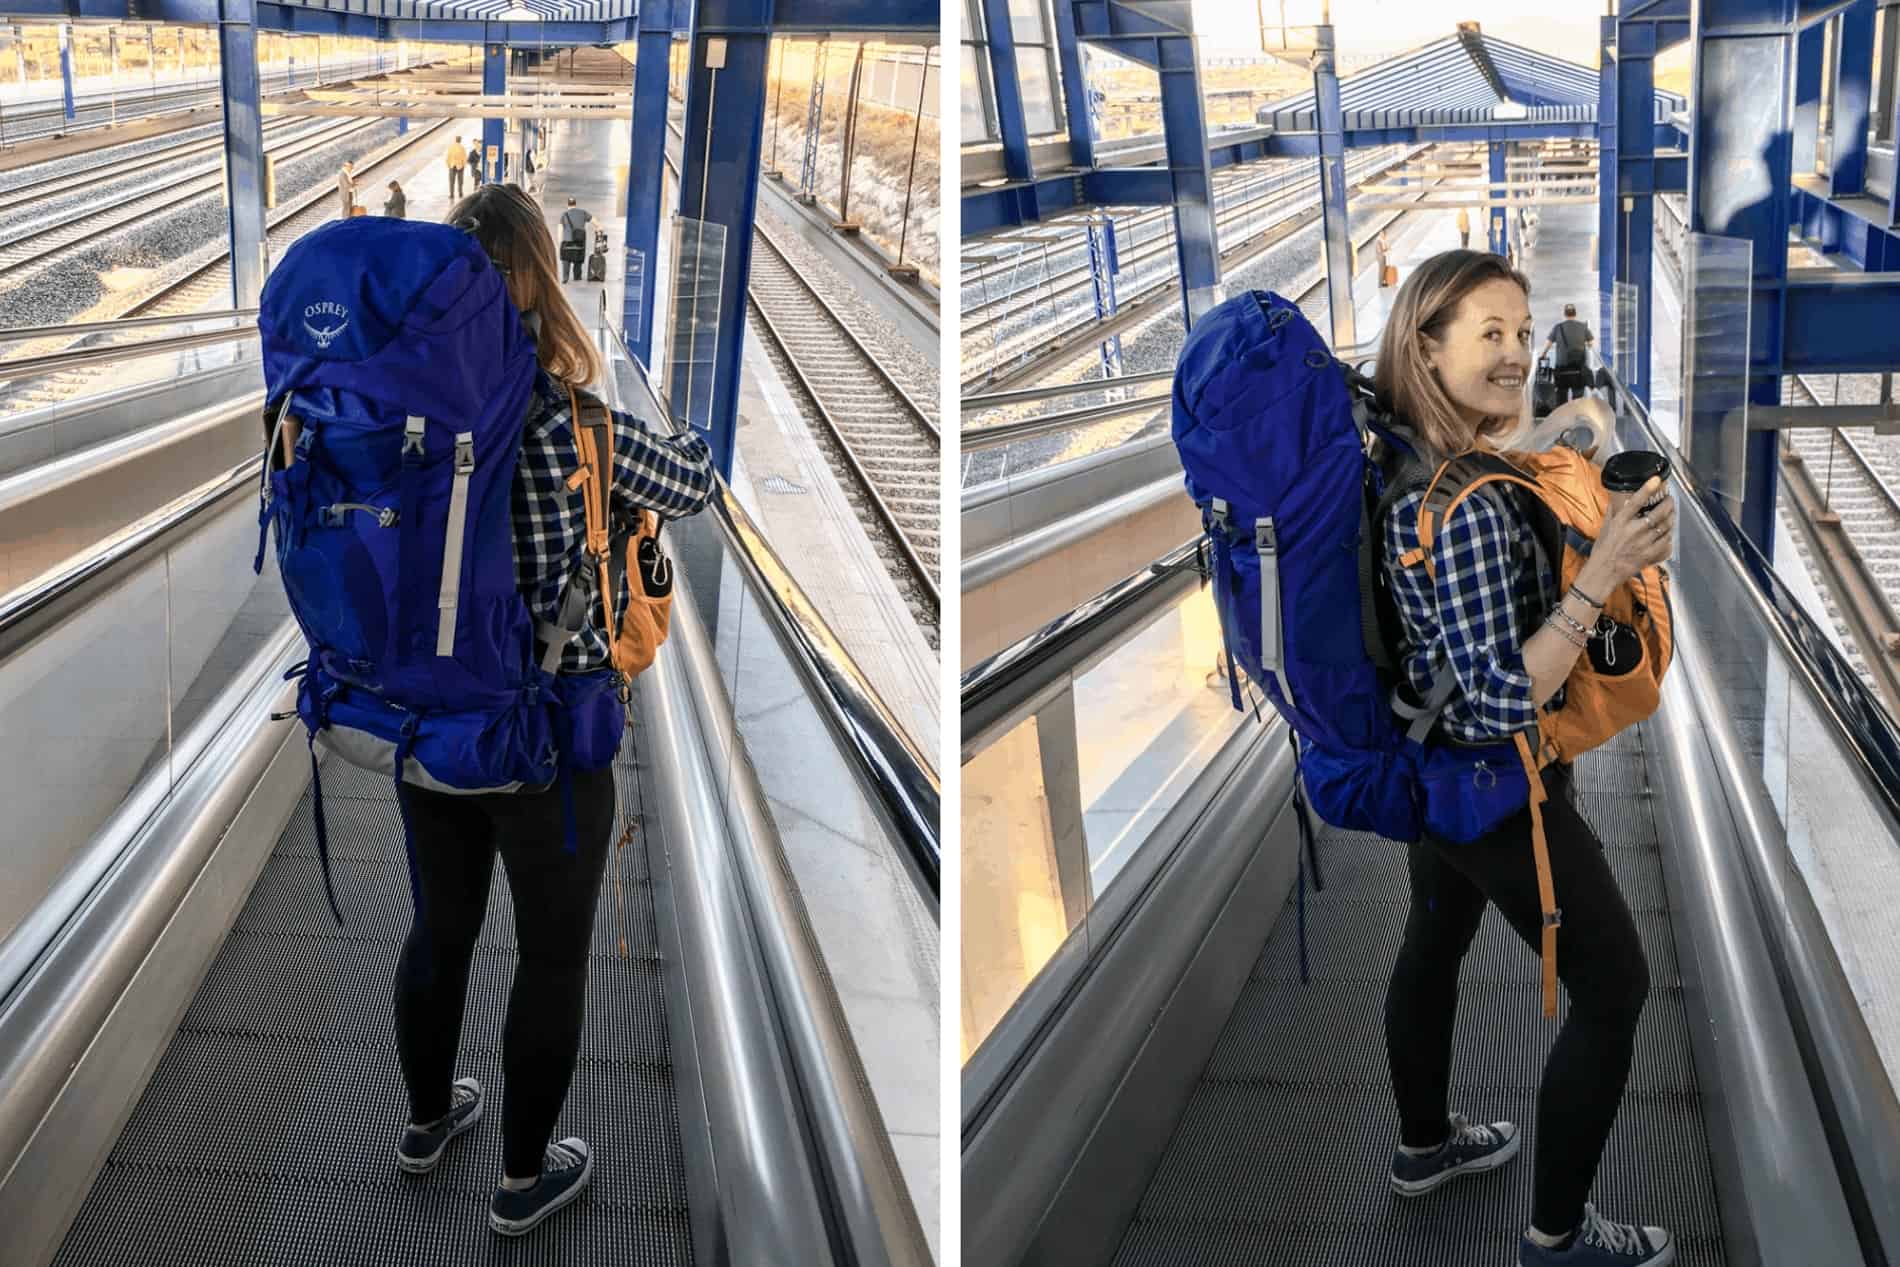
x,y
1579,644
1586,598
1558,613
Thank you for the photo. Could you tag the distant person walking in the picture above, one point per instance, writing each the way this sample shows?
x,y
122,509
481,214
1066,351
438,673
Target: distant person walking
x,y
574,222
1464,230
346,191
476,161
457,159
397,206
1385,264
1571,340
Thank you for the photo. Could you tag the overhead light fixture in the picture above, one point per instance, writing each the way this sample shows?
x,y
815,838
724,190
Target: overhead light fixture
x,y
516,13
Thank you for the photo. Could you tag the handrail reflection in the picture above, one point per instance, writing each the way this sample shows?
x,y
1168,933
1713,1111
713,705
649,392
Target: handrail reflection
x,y
901,780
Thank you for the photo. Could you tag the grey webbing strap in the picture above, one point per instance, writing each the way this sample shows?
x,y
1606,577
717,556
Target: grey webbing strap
x,y
574,604
449,597
1425,716
1369,551
1272,643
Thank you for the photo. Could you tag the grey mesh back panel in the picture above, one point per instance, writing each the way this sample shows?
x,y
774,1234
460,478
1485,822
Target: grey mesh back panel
x,y
267,1137
1283,1154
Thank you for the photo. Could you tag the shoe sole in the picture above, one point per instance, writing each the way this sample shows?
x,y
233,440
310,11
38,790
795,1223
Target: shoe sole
x,y
521,1227
1664,1259
1419,1187
423,1165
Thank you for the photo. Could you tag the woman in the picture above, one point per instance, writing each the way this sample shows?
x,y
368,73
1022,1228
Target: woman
x,y
1452,366
396,206
554,887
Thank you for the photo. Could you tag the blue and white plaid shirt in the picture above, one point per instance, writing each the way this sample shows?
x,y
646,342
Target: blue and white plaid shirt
x,y
1476,613
672,477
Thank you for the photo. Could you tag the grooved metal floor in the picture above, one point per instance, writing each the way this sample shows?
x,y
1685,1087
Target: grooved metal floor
x,y
267,1136
1283,1153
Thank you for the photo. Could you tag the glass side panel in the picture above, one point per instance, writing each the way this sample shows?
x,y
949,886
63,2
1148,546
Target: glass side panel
x,y
699,265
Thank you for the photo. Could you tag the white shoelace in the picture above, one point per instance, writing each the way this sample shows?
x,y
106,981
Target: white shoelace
x,y
1465,1131
1621,1238
561,1157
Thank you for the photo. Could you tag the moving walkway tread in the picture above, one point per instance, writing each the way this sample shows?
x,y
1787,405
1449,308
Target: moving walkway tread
x,y
1282,1154
267,1135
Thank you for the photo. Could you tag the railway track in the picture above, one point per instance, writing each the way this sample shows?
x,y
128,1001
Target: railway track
x,y
885,446
37,247
205,284
115,169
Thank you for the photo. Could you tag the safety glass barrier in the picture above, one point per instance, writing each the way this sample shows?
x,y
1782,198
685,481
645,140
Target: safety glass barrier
x,y
45,374
1058,809
1719,276
1822,749
112,672
870,907
698,258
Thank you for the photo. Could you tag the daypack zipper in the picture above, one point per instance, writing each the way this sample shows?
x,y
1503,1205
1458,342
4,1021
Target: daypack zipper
x,y
386,516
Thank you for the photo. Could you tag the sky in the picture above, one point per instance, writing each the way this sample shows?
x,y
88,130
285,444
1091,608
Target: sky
x,y
1392,26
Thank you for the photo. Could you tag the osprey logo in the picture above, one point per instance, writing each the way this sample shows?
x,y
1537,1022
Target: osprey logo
x,y
339,315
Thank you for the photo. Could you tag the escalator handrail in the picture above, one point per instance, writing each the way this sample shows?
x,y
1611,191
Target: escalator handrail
x,y
888,764
1864,724
995,692
23,334
29,612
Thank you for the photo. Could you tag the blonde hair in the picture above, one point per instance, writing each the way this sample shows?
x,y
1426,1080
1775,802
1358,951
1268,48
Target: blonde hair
x,y
510,227
1406,384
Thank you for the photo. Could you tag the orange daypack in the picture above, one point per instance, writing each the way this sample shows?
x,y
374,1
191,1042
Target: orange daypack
x,y
636,637
1617,681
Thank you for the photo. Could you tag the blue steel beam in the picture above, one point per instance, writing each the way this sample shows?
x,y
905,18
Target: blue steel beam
x,y
1853,74
1845,227
1829,322
1075,87
494,84
985,210
1336,227
1808,48
1635,91
1496,235
719,183
243,152
66,67
1007,93
1739,187
646,180
1609,159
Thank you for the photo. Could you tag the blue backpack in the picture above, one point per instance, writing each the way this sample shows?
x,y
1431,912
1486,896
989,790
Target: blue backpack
x,y
1293,465
398,377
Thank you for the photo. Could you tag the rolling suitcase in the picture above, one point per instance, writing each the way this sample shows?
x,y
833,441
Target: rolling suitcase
x,y
1543,390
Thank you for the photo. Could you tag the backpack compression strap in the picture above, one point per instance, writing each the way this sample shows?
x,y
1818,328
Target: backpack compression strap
x,y
1470,483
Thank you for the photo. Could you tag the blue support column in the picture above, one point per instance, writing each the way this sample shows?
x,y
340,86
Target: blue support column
x,y
1104,263
1184,122
1809,45
646,179
1853,73
1496,232
1608,217
243,151
719,180
66,67
1335,225
1739,185
1007,87
494,128
1636,149
1076,97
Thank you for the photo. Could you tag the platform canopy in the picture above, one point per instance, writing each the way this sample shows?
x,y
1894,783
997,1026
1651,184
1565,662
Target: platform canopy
x,y
1464,78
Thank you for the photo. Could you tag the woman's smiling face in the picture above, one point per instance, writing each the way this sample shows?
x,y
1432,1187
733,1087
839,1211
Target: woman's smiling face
x,y
1484,354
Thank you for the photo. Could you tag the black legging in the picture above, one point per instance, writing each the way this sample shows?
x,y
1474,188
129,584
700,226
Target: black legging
x,y
554,896
1599,959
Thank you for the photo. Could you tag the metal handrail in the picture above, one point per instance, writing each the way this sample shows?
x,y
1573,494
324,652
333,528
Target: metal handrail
x,y
892,769
994,400
28,612
41,366
22,334
996,692
980,438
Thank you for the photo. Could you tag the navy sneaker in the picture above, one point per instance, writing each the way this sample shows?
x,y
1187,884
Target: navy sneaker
x,y
421,1148
565,1171
1601,1243
1471,1150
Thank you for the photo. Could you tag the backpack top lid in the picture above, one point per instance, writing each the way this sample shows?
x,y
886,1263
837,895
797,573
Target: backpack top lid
x,y
1250,356
411,313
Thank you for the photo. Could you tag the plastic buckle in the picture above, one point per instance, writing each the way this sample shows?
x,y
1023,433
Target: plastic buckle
x,y
412,434
1264,540
464,456
1555,919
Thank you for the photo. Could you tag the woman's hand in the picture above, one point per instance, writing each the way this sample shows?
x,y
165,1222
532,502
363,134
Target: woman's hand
x,y
1630,540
